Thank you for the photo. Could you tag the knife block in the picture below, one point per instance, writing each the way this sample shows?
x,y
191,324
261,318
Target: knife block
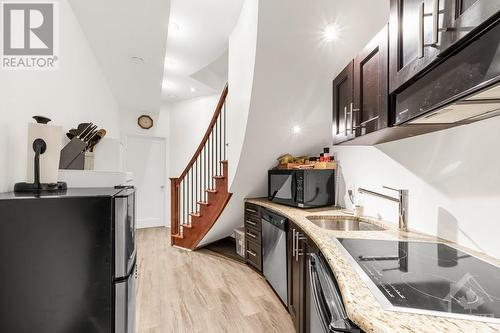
x,y
73,155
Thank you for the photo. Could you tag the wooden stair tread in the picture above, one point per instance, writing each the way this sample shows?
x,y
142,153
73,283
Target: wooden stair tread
x,y
196,214
219,177
178,236
189,226
203,203
211,190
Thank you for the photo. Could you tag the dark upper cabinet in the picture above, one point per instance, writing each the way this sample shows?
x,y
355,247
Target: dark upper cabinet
x,y
465,16
343,105
415,38
371,79
296,277
421,31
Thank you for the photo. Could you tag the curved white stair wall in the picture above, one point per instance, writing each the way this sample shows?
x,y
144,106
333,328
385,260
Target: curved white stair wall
x,y
290,85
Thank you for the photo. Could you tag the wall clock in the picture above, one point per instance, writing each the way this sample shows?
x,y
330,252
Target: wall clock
x,y
145,122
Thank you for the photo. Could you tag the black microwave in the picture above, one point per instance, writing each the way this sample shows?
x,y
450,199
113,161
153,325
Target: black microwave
x,y
302,188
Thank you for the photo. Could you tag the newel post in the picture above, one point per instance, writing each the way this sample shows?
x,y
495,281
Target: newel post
x,y
174,206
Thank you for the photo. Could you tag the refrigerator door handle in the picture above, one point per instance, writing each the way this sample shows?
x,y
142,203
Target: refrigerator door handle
x,y
125,302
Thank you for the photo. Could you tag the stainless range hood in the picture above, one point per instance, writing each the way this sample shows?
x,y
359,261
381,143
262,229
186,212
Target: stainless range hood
x,y
480,106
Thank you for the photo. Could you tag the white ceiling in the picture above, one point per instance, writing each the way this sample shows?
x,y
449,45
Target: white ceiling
x,y
120,29
196,46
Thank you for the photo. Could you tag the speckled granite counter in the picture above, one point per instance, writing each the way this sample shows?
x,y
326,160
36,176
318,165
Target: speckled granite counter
x,y
361,306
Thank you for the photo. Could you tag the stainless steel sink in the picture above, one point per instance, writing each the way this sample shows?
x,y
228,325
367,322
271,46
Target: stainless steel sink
x,y
343,223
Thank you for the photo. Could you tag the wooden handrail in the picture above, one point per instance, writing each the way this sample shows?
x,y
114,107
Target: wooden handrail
x,y
222,100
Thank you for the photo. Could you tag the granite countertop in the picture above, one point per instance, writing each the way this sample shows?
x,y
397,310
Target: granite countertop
x,y
361,306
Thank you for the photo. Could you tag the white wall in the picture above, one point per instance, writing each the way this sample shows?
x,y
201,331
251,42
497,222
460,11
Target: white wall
x,y
241,65
189,121
291,85
452,177
75,93
161,129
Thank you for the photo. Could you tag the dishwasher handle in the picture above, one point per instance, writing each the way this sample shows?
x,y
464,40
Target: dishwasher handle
x,y
326,297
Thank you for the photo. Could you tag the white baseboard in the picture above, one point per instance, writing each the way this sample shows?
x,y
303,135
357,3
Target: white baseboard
x,y
150,223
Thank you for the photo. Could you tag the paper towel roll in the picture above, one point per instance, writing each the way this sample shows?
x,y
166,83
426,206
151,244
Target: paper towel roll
x,y
49,161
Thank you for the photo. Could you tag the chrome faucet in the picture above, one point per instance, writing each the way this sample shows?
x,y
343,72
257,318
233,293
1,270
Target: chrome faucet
x,y
402,200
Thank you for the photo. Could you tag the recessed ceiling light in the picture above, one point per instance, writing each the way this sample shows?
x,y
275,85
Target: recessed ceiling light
x,y
137,60
193,89
331,32
296,129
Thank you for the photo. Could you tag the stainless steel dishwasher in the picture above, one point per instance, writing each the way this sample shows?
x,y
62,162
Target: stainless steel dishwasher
x,y
274,251
326,309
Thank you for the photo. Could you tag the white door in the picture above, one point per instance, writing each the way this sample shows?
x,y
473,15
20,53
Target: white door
x,y
146,159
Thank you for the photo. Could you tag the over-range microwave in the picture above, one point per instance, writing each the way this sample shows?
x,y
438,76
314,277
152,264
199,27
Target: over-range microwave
x,y
302,188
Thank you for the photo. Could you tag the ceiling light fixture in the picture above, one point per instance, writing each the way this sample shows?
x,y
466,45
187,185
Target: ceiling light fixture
x,y
296,129
193,89
331,32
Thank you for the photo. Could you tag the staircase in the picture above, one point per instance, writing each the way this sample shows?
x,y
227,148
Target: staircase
x,y
200,194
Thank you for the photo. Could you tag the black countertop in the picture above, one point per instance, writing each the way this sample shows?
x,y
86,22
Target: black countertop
x,y
69,193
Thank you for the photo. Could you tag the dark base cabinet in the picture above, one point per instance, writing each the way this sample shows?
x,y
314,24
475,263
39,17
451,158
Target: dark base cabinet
x,y
253,236
296,243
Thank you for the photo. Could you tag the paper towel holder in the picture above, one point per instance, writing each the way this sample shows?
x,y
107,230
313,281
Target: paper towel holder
x,y
39,146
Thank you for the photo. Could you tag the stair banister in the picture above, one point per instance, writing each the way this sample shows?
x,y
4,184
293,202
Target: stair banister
x,y
195,187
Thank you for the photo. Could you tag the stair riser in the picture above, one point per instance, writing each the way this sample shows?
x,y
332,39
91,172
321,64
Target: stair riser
x,y
203,222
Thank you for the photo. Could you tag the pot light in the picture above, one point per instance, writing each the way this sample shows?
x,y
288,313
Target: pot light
x,y
331,32
296,129
193,89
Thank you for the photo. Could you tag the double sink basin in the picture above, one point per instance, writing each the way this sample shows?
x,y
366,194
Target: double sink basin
x,y
343,223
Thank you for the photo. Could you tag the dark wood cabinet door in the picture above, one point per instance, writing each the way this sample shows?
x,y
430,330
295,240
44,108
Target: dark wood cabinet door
x,y
422,31
467,15
371,90
416,30
343,99
296,277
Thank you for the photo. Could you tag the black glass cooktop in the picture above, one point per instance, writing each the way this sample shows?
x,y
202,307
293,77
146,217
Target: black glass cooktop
x,y
425,276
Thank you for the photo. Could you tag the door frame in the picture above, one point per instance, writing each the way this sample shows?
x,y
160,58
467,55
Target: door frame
x,y
166,194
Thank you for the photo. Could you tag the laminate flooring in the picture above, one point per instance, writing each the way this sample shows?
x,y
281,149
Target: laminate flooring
x,y
181,291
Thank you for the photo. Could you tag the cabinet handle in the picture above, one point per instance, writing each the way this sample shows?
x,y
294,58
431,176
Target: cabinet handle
x,y
251,210
363,124
352,116
435,22
297,247
252,223
293,242
253,254
252,235
421,14
345,120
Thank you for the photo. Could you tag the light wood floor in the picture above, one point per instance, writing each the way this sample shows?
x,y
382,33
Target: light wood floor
x,y
181,291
